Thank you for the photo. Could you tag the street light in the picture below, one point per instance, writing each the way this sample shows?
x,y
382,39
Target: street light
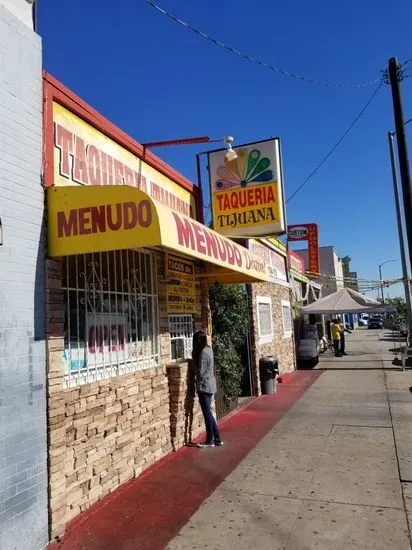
x,y
230,156
380,276
405,273
230,153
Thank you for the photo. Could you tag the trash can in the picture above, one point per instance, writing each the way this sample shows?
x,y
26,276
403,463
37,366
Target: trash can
x,y
268,367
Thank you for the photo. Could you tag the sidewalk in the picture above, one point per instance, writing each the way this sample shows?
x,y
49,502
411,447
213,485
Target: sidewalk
x,y
328,476
146,513
325,464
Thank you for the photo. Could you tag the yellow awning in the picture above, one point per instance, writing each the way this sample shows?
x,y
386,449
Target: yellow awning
x,y
84,219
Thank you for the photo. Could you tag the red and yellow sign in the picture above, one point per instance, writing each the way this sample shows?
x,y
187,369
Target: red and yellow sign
x,y
247,192
181,289
307,232
85,156
296,262
84,219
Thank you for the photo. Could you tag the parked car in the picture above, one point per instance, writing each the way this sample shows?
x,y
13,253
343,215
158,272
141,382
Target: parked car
x,y
362,322
375,322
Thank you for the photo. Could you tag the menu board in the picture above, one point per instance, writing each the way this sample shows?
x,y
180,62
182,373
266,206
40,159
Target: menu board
x,y
181,290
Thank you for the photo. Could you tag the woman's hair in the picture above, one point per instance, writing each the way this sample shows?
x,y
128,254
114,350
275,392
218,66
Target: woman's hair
x,y
199,343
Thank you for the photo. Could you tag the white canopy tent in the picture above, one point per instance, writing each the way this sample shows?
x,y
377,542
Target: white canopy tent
x,y
346,300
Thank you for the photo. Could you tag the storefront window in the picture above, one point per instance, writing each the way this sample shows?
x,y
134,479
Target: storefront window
x,y
181,336
287,318
264,313
111,315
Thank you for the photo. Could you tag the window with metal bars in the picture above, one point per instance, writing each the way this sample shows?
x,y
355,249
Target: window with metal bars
x,y
264,315
181,336
111,323
287,318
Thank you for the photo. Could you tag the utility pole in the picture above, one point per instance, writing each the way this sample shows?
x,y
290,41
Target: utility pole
x,y
395,74
405,273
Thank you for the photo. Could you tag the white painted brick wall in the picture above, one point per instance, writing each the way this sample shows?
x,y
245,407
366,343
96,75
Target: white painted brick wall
x,y
23,443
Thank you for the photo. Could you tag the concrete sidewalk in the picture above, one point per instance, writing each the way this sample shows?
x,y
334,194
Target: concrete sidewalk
x,y
334,473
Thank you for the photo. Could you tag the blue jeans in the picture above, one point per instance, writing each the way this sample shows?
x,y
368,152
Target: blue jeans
x,y
212,431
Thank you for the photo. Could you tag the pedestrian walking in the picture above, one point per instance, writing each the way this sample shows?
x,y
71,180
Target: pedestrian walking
x,y
205,387
336,334
343,329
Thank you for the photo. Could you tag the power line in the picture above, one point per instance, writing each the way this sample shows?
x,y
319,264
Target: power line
x,y
273,68
325,158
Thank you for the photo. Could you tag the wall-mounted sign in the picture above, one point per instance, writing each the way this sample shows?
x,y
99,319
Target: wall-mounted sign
x,y
276,262
247,193
181,290
296,262
307,232
85,156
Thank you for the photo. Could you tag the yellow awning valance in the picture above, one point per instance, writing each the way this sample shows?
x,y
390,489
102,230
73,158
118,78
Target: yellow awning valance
x,y
84,219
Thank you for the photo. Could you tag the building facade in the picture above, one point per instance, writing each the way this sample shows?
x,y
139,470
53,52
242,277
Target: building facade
x,y
331,268
270,310
104,277
23,437
128,270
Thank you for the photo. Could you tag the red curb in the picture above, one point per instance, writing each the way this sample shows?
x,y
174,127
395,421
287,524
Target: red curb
x,y
147,512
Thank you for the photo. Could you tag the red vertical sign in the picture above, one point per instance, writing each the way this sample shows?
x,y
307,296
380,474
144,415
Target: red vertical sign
x,y
307,232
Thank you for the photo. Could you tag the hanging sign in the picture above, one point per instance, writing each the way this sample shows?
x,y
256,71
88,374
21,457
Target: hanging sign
x,y
247,192
307,232
181,290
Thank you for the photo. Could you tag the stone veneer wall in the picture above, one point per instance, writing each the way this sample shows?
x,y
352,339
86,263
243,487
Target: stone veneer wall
x,y
281,346
105,433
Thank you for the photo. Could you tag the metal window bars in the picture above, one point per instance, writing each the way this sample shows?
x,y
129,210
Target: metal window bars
x,y
181,336
265,319
287,318
111,315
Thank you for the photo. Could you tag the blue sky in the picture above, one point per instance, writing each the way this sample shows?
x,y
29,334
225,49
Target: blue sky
x,y
156,80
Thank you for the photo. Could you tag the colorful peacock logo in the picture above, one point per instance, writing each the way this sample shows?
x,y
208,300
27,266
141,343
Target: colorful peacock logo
x,y
247,168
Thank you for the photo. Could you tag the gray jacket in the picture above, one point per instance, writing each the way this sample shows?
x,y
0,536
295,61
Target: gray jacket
x,y
205,376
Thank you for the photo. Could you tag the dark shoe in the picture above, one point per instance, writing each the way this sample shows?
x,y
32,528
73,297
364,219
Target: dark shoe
x,y
344,353
219,443
205,444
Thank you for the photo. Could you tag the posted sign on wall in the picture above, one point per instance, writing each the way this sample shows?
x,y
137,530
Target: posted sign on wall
x,y
276,262
307,232
86,156
247,192
181,290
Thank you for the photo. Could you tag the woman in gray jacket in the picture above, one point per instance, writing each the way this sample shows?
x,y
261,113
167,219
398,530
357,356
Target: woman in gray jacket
x,y
205,386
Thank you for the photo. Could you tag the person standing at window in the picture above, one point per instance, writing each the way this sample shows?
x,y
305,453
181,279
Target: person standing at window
x,y
336,333
205,387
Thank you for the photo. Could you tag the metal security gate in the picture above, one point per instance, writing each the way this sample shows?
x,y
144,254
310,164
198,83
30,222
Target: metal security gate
x,y
111,315
224,406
